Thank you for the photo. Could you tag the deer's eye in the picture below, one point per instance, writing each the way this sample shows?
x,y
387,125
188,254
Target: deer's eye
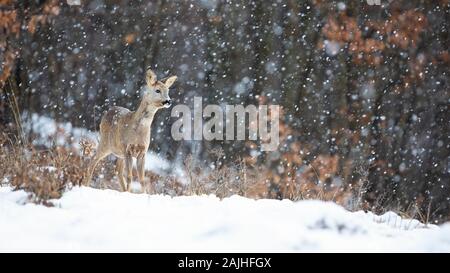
x,y
158,91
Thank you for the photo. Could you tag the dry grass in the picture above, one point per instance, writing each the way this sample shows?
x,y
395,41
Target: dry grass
x,y
218,179
45,174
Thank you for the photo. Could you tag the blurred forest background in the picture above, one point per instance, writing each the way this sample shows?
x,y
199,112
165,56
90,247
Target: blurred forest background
x,y
364,88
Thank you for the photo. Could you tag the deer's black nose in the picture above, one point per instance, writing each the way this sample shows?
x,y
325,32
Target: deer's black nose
x,y
167,102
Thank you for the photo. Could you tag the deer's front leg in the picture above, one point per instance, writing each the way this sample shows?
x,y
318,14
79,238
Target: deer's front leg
x,y
129,170
141,170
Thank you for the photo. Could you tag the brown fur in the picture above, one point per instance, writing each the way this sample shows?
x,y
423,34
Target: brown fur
x,y
126,134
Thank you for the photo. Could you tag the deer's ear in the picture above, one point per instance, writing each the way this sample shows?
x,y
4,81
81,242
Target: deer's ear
x,y
170,81
150,77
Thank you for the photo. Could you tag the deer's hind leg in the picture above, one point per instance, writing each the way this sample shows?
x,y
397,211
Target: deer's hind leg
x,y
99,155
120,167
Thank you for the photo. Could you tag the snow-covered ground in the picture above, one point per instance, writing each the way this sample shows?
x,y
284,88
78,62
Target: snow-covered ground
x,y
87,219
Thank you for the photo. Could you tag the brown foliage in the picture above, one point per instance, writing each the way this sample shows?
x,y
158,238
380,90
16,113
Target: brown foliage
x,y
10,29
290,175
50,9
402,30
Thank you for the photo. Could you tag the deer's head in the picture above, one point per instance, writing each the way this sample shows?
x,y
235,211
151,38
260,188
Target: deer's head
x,y
157,93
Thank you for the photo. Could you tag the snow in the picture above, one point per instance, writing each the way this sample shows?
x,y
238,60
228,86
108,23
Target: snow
x,y
49,132
332,48
87,219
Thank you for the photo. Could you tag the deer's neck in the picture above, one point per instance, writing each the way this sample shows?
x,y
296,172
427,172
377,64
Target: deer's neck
x,y
144,114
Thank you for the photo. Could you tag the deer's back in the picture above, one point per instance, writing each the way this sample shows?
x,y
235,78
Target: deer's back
x,y
112,129
112,117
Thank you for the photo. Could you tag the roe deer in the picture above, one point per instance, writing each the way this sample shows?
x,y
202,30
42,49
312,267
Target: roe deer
x,y
126,134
